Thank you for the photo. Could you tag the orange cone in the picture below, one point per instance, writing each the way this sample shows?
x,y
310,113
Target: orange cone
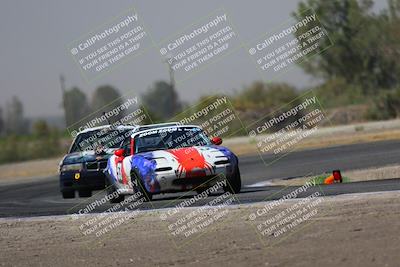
x,y
329,180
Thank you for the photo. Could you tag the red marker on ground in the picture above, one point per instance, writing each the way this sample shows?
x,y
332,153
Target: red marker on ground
x,y
336,177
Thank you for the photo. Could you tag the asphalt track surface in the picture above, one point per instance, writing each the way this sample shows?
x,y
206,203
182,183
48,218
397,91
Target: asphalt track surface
x,y
42,197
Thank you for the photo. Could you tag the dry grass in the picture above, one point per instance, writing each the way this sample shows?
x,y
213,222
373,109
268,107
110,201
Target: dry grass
x,y
30,169
387,172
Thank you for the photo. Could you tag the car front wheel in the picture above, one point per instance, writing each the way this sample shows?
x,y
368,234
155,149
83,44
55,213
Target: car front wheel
x,y
234,182
139,187
114,197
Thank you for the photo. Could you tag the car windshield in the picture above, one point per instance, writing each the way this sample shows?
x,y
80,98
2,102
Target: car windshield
x,y
99,139
170,138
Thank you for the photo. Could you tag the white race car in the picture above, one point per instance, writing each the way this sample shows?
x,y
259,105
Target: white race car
x,y
164,158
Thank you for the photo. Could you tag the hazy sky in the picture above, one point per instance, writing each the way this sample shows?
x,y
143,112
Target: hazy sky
x,y
35,35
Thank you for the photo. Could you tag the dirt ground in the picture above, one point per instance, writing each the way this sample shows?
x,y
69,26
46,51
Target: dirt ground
x,y
321,139
348,230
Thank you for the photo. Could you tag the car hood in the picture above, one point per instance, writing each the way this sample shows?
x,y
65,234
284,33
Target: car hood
x,y
196,153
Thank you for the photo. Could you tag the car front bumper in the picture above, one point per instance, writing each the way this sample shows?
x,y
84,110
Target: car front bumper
x,y
90,180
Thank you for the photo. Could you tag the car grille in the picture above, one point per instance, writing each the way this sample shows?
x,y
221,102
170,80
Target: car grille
x,y
222,162
96,165
192,180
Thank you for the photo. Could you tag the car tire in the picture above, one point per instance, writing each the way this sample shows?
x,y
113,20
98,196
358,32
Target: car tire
x,y
234,183
110,191
68,194
201,190
85,193
114,199
140,187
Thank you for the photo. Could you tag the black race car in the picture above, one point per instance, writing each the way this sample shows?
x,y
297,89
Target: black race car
x,y
82,168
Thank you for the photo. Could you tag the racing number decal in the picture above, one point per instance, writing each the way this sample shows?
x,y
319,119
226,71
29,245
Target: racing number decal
x,y
119,171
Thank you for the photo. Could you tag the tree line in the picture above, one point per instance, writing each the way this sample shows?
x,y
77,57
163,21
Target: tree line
x,y
361,67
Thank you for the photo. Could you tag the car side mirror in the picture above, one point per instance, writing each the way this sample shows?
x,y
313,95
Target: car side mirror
x,y
119,152
216,140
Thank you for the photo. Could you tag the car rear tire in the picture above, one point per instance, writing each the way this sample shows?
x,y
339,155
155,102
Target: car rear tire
x,y
234,183
68,194
140,187
85,193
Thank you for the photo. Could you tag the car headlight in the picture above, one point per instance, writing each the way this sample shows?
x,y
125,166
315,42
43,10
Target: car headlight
x,y
160,161
71,167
